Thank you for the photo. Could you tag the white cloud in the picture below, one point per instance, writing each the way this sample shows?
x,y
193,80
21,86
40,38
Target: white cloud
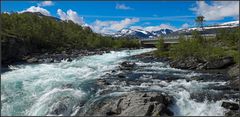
x,y
7,12
70,15
186,25
36,9
108,27
155,28
46,3
123,7
217,10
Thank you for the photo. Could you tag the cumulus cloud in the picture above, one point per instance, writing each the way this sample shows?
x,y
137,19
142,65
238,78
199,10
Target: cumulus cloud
x,y
217,10
70,15
109,27
46,3
7,12
155,28
186,25
36,9
123,7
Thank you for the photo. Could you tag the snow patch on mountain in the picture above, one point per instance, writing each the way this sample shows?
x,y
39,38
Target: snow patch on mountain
x,y
142,34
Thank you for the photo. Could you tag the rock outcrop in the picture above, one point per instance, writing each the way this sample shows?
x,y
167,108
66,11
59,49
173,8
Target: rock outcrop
x,y
219,63
187,63
195,63
233,109
131,104
234,74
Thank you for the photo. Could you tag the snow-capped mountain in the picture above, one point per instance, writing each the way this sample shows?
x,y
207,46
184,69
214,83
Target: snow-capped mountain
x,y
162,32
142,34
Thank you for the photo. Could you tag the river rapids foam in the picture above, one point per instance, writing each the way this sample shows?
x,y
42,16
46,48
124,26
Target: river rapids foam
x,y
36,89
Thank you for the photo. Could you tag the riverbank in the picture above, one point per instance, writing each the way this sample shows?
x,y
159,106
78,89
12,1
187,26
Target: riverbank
x,y
56,57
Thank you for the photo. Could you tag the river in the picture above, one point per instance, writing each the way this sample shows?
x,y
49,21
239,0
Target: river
x,y
34,89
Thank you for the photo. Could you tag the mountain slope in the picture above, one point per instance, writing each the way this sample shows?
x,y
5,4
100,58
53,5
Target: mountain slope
x,y
141,34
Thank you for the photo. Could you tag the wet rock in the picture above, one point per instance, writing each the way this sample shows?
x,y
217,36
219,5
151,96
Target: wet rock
x,y
132,104
32,60
121,75
219,63
230,105
59,109
235,84
127,65
232,113
201,96
67,86
196,78
102,83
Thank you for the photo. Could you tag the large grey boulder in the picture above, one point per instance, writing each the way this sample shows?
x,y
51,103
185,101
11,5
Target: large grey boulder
x,y
220,63
131,104
234,74
234,71
230,105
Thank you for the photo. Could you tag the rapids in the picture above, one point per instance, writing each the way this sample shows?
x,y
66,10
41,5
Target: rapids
x,y
37,89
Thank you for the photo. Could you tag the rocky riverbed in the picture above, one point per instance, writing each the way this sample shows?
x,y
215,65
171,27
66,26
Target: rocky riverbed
x,y
220,70
55,57
124,83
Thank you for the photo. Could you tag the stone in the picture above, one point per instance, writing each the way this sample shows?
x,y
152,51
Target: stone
x,y
58,108
102,83
234,71
32,60
132,104
232,113
219,63
126,65
230,105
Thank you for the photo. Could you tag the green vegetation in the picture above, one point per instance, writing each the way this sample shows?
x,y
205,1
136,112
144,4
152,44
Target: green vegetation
x,y
43,33
225,44
161,50
199,20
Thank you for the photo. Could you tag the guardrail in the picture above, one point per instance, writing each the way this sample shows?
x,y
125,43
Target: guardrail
x,y
172,39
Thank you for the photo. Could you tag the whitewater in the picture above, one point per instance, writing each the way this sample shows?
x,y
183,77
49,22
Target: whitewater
x,y
36,88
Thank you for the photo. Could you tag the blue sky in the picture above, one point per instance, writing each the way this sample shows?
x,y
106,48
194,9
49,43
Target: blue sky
x,y
111,16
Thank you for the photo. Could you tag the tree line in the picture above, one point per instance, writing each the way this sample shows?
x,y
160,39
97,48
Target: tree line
x,y
39,33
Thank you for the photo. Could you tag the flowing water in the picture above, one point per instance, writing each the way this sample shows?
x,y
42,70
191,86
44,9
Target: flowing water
x,y
36,89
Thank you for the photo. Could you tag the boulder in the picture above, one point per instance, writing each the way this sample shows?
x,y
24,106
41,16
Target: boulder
x,y
32,60
232,113
234,71
132,104
219,63
235,83
230,105
187,63
59,109
234,74
195,63
126,65
102,83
